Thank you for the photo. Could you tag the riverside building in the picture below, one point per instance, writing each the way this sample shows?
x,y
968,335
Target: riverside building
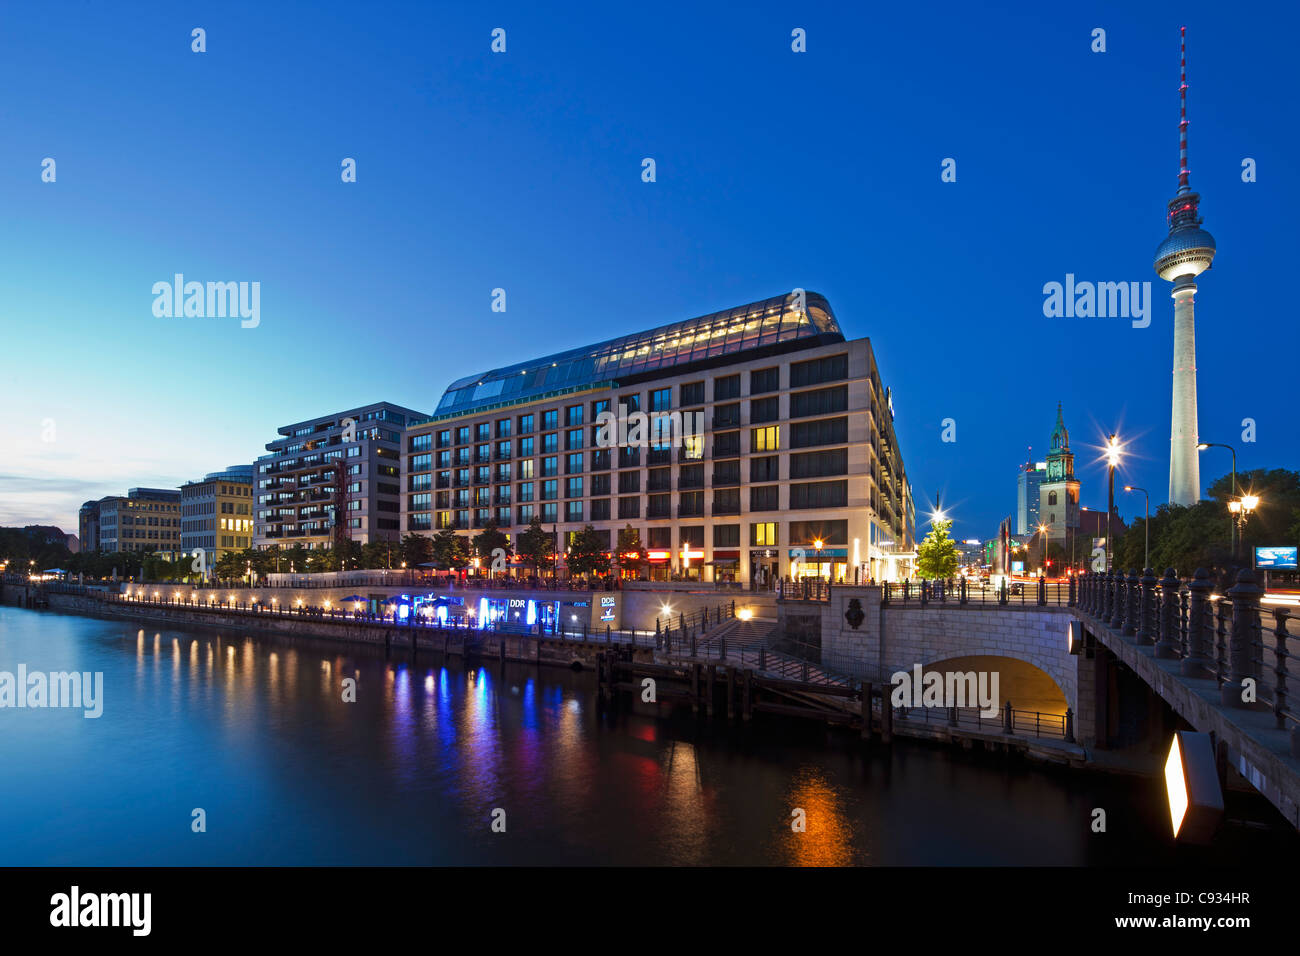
x,y
748,445
217,514
298,488
146,520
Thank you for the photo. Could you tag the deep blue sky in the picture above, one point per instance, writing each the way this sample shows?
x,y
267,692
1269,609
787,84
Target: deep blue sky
x,y
522,171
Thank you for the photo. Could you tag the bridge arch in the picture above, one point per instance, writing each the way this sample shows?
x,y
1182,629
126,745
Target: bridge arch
x,y
1026,685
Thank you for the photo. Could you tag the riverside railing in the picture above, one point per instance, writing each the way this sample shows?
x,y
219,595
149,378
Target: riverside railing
x,y
1218,630
1008,720
342,614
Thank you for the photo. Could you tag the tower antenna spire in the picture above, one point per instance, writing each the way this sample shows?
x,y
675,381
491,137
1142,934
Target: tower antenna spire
x,y
1183,186
1186,252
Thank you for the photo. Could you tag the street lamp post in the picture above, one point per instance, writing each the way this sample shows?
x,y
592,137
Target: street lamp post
x,y
1042,564
1146,526
1112,461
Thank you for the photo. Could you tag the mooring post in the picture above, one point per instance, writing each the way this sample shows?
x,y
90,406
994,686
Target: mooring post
x,y
886,718
1007,719
866,710
708,701
695,687
749,683
731,693
1069,725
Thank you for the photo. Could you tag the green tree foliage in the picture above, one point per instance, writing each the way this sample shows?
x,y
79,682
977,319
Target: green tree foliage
x,y
47,546
536,545
416,549
450,550
1199,536
937,555
629,553
587,553
488,541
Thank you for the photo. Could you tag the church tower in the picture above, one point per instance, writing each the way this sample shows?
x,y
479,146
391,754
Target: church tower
x,y
1058,506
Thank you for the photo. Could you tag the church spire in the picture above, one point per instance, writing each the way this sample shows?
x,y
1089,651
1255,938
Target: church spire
x,y
1060,436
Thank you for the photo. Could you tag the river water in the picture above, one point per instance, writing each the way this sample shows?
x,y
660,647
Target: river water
x,y
253,731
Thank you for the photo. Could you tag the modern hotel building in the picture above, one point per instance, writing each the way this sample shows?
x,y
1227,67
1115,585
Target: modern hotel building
x,y
297,491
794,469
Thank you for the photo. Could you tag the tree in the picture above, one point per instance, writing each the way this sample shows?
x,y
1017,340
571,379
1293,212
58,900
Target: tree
x,y
416,550
295,559
937,555
229,566
376,554
489,542
1200,536
629,553
536,545
450,550
587,553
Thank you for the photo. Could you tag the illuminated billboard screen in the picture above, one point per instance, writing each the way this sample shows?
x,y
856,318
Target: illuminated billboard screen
x,y
1282,557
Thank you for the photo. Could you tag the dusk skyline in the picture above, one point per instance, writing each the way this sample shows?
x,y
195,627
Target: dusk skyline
x,y
523,171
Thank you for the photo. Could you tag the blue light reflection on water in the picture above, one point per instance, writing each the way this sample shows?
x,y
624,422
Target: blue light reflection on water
x,y
257,733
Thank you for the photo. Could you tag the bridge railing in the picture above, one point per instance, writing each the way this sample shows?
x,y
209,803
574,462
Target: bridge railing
x,y
1038,592
1217,629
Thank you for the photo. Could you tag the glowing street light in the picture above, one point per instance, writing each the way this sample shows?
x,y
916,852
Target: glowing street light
x,y
1113,453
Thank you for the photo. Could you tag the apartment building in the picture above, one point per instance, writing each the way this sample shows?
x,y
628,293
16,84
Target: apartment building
x,y
341,470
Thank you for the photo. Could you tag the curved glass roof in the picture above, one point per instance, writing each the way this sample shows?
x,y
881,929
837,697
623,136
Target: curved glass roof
x,y
757,325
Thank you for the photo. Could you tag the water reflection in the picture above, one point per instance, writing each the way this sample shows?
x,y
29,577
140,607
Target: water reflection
x,y
256,731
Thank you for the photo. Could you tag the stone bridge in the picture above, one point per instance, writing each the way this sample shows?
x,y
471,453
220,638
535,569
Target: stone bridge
x,y
895,637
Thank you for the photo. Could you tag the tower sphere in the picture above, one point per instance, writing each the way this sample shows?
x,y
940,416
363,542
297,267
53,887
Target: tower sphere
x,y
1187,250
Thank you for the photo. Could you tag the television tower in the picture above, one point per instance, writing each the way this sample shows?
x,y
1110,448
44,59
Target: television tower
x,y
1186,252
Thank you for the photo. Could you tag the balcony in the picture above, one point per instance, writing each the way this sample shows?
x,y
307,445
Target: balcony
x,y
664,511
659,456
721,422
722,479
690,511
660,484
